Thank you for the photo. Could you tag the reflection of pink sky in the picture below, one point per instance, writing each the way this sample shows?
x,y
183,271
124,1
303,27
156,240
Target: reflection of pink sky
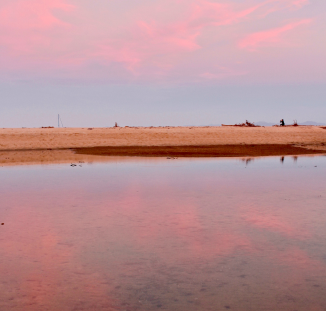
x,y
42,257
142,40
280,224
295,257
50,230
294,265
175,219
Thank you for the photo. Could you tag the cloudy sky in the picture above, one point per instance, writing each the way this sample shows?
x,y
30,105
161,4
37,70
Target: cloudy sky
x,y
161,62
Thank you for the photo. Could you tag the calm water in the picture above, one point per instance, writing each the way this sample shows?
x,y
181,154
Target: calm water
x,y
200,234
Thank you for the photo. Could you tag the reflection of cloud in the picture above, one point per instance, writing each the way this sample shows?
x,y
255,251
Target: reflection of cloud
x,y
272,222
179,223
139,227
42,257
275,220
294,256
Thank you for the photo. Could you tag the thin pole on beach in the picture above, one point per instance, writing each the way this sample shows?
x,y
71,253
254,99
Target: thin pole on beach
x,y
59,121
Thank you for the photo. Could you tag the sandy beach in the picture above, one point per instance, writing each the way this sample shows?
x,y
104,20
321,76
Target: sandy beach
x,y
35,145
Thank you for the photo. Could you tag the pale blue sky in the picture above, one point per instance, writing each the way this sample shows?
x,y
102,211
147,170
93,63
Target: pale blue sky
x,y
35,104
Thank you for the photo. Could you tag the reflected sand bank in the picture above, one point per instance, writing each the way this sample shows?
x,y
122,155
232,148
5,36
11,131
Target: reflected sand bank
x,y
155,154
46,157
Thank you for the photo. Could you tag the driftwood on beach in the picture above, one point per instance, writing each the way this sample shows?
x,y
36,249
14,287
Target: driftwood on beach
x,y
246,124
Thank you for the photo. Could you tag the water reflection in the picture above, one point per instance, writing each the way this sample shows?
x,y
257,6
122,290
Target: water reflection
x,y
247,160
184,235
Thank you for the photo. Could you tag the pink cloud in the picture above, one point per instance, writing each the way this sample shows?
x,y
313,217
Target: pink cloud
x,y
273,6
299,3
32,14
27,27
253,41
159,45
205,13
161,40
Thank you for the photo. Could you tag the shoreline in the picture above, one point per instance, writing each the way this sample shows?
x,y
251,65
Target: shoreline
x,y
157,153
43,145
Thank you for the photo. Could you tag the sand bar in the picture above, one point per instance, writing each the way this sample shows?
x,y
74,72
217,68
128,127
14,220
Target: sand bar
x,y
198,151
35,144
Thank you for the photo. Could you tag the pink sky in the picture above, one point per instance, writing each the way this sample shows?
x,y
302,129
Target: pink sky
x,y
177,41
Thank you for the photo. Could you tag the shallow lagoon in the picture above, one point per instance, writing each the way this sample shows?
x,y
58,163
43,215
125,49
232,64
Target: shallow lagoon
x,y
158,234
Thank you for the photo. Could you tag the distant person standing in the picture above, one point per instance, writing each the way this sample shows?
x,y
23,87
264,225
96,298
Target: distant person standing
x,y
282,122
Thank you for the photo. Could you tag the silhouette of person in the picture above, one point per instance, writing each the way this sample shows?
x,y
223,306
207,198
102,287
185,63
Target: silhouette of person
x,y
282,122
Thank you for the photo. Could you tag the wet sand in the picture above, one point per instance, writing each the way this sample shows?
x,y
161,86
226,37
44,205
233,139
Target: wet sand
x,y
42,145
198,151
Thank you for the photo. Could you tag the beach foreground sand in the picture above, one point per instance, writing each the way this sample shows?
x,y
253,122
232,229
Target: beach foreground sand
x,y
52,144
